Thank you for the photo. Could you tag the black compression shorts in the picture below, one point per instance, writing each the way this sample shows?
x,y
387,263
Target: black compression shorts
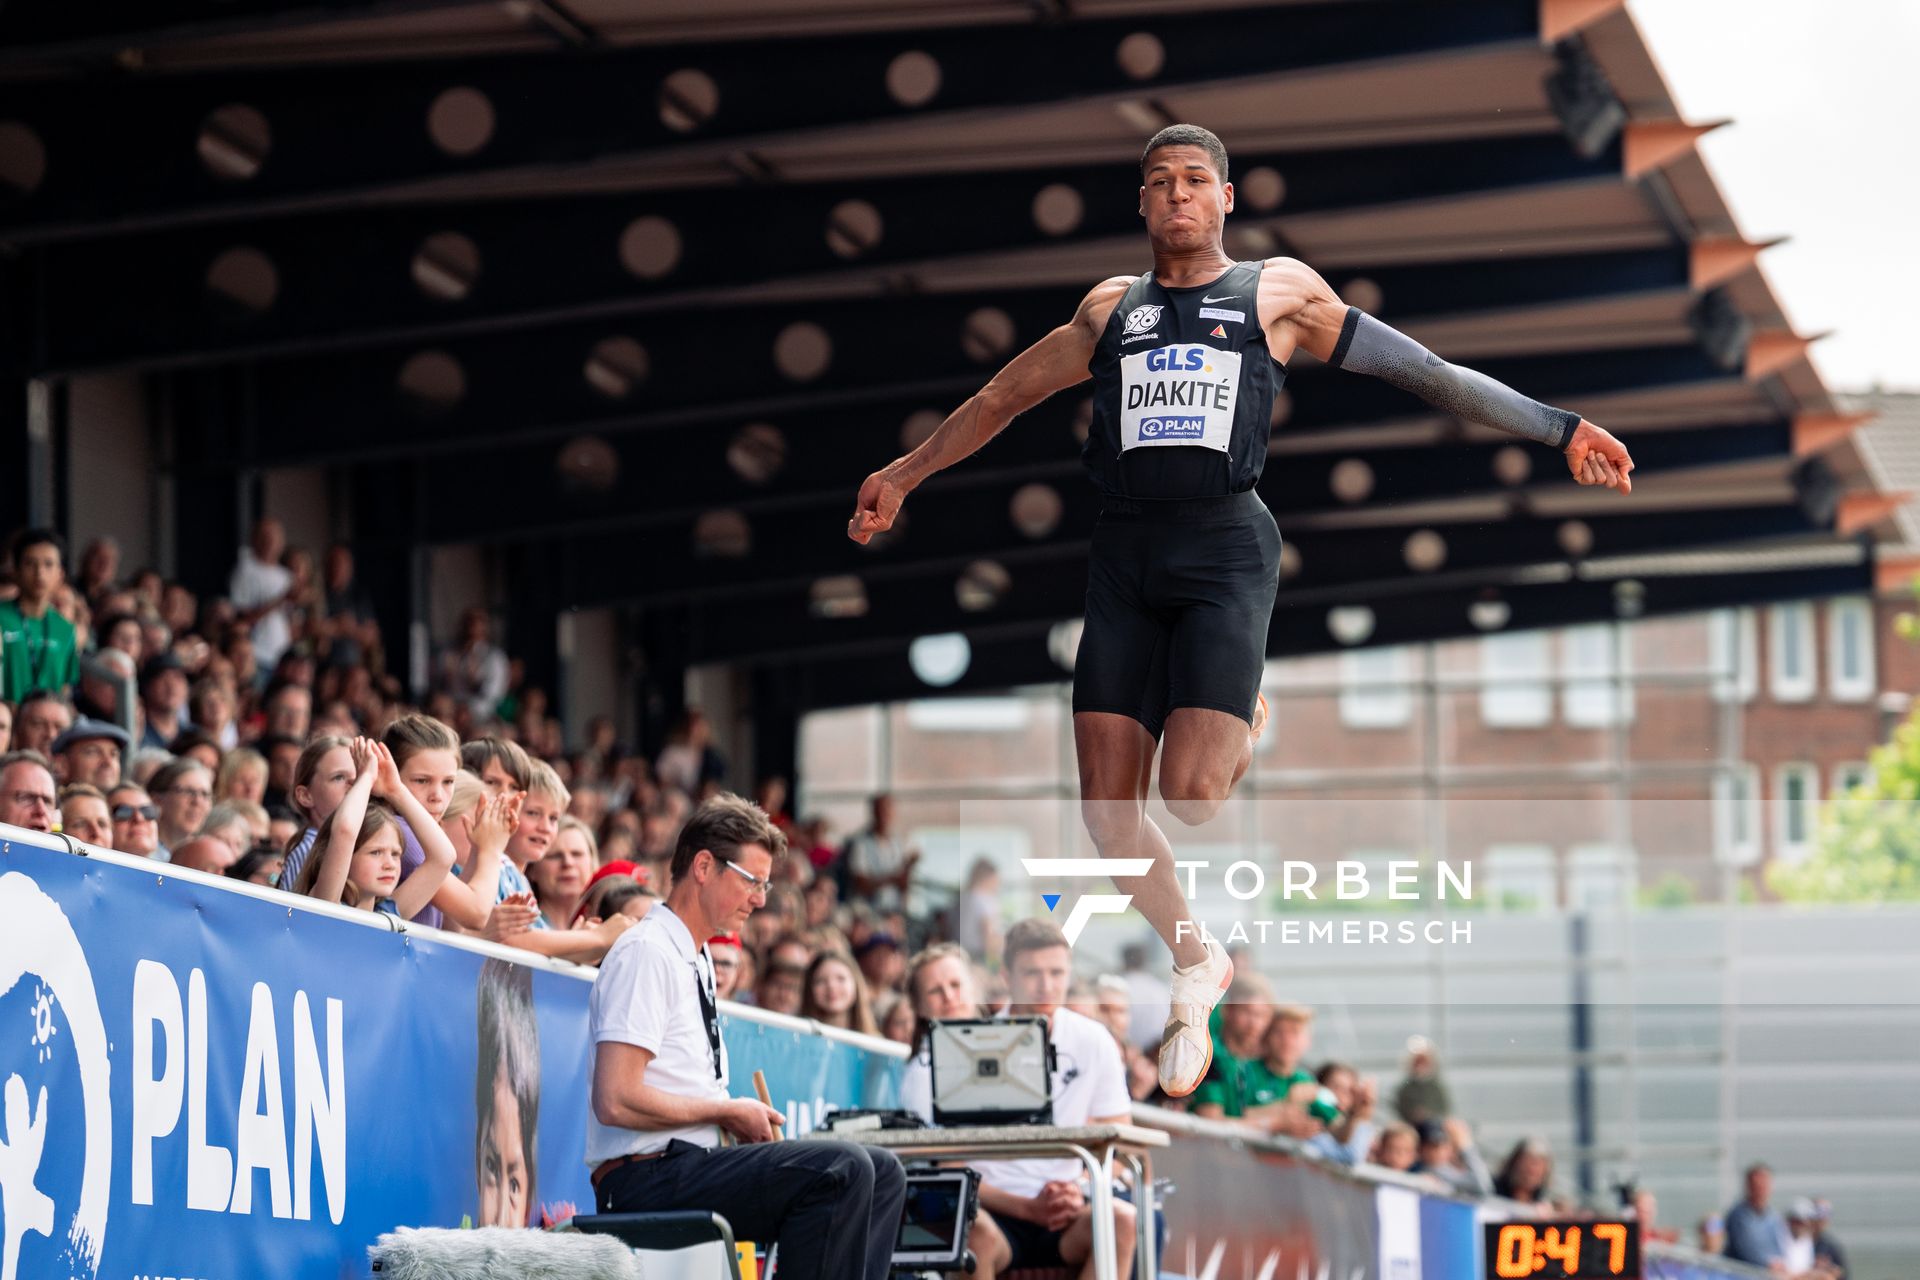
x,y
1179,595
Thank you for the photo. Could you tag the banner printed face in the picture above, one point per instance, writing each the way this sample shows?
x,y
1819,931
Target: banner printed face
x,y
194,1082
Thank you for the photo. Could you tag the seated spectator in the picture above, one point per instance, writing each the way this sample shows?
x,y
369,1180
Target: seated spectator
x,y
90,752
1113,999
1082,1000
1245,1014
204,853
84,816
283,762
1797,1249
474,671
660,1071
1397,1147
259,588
289,708
99,566
228,825
881,962
894,1013
120,632
878,869
501,764
1646,1211
1527,1173
540,811
560,878
1149,997
1827,1252
782,988
1348,1136
283,827
211,707
136,820
836,995
27,796
1447,1152
195,745
6,726
426,754
1710,1235
39,648
725,949
978,928
623,895
356,860
146,762
321,777
185,792
39,719
689,758
1041,1204
163,700
242,776
350,632
1756,1233
1422,1096
939,986
260,865
97,697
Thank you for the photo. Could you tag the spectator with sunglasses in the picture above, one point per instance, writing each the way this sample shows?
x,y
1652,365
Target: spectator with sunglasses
x,y
660,1095
136,820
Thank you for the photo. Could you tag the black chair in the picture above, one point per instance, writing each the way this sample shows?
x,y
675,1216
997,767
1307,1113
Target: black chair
x,y
665,1232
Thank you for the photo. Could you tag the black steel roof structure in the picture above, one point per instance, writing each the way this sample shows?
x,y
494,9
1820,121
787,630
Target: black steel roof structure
x,y
639,290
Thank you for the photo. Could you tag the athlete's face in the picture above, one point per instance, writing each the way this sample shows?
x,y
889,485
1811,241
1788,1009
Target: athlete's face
x,y
1183,199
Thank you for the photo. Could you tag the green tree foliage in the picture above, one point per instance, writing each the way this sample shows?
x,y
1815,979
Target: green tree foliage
x,y
1867,848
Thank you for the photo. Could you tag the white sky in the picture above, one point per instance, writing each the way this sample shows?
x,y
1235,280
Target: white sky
x,y
1825,147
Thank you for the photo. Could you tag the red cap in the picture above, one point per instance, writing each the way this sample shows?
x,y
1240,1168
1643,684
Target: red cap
x,y
621,867
725,939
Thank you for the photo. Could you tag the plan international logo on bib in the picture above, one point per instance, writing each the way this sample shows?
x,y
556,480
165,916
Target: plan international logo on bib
x,y
1177,428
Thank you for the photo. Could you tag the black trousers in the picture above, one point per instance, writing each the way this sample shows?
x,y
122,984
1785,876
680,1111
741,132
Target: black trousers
x,y
810,1198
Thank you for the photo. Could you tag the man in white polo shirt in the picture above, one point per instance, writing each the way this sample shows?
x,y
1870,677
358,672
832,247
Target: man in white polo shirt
x,y
1041,1204
660,1073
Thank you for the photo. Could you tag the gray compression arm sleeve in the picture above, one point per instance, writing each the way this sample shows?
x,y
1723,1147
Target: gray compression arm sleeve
x,y
1368,346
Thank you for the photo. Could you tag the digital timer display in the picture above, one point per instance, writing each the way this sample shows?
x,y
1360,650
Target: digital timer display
x,y
1597,1250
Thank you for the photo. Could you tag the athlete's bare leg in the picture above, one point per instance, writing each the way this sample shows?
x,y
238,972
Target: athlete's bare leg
x,y
1205,754
1116,770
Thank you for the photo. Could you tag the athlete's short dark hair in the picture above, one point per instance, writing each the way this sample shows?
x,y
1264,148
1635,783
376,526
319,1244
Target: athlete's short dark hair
x,y
1188,135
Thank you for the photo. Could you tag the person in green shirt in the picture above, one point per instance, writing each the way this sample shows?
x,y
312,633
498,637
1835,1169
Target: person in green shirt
x,y
1239,1027
1274,1090
38,649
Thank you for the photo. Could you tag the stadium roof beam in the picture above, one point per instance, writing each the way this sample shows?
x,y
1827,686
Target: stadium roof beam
x,y
362,276
648,486
312,135
1008,657
601,376
774,566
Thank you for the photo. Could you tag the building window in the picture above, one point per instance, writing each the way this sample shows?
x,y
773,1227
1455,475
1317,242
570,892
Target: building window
x,y
1514,669
1374,693
1850,649
1790,646
1736,816
1599,877
1796,797
1735,645
969,715
1591,699
1855,773
1519,877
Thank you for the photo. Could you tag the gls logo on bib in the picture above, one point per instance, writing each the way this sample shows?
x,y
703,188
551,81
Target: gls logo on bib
x,y
1178,395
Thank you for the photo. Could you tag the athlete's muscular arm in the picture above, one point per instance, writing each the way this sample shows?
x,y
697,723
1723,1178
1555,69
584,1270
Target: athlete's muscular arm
x,y
1302,311
1054,363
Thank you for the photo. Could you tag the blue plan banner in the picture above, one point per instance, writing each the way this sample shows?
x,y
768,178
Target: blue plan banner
x,y
200,1082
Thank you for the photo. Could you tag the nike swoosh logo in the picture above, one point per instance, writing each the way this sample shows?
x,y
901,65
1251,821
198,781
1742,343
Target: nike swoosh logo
x,y
1225,297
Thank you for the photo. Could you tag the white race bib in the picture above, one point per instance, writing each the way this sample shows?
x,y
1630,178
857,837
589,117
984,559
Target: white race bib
x,y
1178,395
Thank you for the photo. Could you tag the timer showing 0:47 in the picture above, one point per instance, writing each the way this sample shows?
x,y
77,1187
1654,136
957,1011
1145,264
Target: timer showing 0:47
x,y
1563,1250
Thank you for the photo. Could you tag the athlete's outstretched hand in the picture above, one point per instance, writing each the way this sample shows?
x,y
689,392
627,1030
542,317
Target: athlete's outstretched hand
x,y
1595,457
874,510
